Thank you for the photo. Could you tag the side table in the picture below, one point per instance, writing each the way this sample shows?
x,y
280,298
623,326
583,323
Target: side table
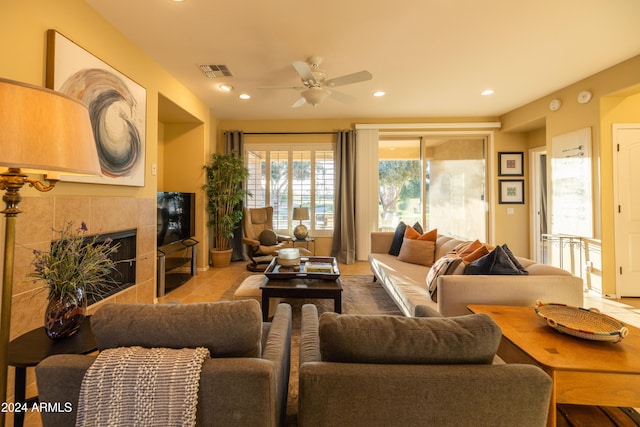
x,y
306,242
31,348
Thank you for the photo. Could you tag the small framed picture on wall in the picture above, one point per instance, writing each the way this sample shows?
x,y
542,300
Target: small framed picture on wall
x,y
511,191
510,164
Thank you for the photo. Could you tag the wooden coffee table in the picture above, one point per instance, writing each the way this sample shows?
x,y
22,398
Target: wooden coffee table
x,y
302,285
584,372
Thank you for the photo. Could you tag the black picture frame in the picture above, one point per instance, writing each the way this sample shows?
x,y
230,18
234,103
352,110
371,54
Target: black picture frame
x,y
511,191
511,163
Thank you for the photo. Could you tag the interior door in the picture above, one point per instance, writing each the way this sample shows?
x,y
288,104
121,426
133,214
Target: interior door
x,y
626,145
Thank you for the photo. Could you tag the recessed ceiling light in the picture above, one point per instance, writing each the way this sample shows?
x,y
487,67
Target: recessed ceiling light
x,y
379,93
487,92
244,96
225,87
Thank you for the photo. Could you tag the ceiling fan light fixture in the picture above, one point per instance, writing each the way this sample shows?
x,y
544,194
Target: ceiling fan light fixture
x,y
315,95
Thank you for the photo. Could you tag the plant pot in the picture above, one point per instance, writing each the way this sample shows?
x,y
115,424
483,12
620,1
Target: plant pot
x,y
221,259
65,314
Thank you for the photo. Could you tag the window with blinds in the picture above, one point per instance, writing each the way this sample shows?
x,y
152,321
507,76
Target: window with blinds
x,y
292,175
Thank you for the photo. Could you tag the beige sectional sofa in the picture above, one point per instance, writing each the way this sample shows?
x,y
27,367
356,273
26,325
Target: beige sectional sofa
x,y
406,283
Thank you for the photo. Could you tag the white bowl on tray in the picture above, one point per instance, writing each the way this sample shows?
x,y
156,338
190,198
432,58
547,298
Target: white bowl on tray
x,y
288,257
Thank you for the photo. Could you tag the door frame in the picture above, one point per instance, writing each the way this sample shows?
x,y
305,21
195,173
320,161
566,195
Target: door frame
x,y
535,188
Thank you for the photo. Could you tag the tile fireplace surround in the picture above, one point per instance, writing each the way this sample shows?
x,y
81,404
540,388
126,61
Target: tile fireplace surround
x,y
102,215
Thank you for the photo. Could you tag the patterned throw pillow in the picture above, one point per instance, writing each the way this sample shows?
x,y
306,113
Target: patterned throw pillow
x,y
443,266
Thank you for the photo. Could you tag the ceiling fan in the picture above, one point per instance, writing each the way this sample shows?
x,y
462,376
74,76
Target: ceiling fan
x,y
315,85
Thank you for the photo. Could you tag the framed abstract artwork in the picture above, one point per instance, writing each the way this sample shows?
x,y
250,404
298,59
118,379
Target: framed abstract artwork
x,y
511,191
510,164
117,109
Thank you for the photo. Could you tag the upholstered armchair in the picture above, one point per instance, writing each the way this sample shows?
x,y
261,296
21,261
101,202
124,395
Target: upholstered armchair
x,y
261,241
358,370
243,383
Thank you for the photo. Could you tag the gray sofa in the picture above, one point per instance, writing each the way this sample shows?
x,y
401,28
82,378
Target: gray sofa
x,y
399,371
249,359
406,283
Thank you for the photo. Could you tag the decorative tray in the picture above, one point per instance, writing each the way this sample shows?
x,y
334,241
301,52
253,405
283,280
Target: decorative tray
x,y
313,267
589,324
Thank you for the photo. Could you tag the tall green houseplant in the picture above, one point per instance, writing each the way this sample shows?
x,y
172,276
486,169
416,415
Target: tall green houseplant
x,y
224,191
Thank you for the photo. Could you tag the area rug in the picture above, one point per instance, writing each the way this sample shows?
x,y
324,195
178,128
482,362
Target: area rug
x,y
360,295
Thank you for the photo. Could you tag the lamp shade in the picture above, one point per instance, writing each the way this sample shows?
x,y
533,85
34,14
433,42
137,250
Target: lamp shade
x,y
301,214
42,130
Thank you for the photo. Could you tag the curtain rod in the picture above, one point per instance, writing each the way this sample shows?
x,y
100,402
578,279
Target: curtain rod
x,y
290,133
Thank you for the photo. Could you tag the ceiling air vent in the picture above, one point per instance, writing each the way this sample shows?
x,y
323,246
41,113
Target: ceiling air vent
x,y
216,71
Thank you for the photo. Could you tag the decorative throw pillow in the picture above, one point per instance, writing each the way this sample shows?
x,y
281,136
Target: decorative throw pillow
x,y
443,266
415,251
497,262
478,253
268,237
396,244
413,234
467,248
514,260
418,248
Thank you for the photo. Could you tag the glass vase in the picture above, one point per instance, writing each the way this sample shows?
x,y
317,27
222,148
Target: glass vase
x,y
65,314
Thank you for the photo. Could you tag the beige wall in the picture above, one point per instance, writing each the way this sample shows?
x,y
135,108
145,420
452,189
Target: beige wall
x,y
23,26
615,100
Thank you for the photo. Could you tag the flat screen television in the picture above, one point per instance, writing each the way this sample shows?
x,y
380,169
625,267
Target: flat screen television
x,y
176,217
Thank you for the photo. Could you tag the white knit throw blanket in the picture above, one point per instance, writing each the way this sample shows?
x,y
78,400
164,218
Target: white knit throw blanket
x,y
135,386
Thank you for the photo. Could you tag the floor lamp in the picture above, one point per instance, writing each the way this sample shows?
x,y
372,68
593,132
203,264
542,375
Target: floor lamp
x,y
41,131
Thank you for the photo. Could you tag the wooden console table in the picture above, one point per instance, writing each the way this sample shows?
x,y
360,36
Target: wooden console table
x,y
584,372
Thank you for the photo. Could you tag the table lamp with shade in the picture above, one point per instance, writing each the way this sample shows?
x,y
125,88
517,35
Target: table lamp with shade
x,y
301,214
41,132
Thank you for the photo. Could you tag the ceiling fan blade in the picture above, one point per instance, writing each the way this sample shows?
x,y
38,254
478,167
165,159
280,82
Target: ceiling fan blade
x,y
305,71
283,87
299,103
342,97
348,79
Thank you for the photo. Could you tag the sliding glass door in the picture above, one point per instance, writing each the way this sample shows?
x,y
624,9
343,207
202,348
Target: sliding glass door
x,y
439,182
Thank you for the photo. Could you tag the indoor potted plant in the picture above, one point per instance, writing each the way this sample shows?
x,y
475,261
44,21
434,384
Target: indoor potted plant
x,y
224,191
75,266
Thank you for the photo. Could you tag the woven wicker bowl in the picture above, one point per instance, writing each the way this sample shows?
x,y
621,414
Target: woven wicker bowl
x,y
584,323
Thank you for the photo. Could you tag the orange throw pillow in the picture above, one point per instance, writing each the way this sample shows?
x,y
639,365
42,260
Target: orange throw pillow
x,y
478,253
468,248
411,233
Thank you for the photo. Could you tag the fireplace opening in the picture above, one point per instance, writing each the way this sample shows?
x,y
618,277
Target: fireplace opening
x,y
124,275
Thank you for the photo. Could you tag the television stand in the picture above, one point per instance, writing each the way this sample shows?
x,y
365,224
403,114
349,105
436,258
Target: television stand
x,y
166,264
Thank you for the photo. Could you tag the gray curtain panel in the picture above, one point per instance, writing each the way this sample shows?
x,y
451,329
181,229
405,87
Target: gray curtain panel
x,y
344,232
234,144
